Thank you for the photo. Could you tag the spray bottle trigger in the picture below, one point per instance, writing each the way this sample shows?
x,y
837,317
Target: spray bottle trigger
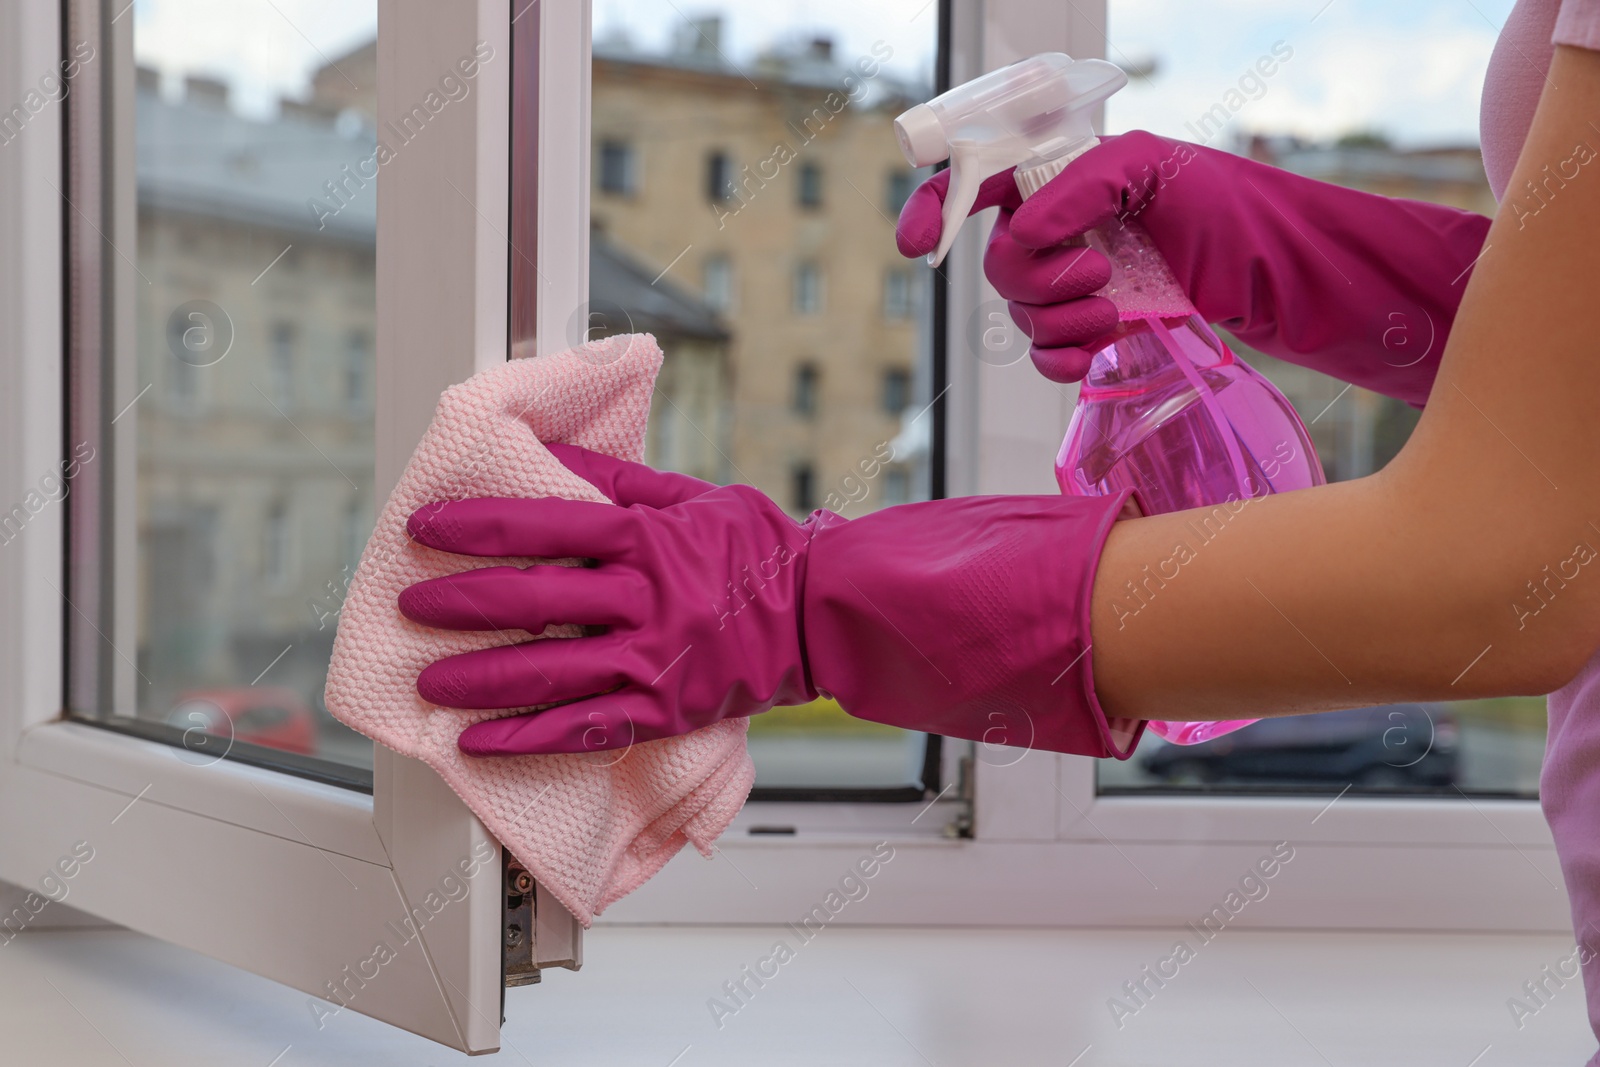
x,y
970,164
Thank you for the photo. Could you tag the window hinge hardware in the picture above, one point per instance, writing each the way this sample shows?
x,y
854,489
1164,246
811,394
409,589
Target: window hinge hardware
x,y
517,943
961,826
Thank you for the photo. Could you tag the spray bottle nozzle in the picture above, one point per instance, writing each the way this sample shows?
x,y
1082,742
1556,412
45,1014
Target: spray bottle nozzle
x,y
1031,113
922,136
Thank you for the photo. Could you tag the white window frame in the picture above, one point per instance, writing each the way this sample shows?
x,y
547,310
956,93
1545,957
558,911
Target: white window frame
x,y
283,876
1044,847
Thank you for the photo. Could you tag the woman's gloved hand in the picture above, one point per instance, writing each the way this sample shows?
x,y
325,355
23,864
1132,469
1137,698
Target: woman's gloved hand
x,y
1358,286
966,617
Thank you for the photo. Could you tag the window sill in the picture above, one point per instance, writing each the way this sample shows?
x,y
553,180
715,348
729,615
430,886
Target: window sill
x,y
867,996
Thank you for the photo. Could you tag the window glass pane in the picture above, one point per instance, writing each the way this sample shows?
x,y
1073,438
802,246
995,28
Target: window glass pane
x,y
896,390
767,220
616,167
256,210
810,185
900,183
717,284
808,289
719,176
805,389
1382,97
897,295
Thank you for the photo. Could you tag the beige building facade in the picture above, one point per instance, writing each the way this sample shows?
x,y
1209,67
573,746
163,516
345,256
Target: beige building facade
x,y
771,191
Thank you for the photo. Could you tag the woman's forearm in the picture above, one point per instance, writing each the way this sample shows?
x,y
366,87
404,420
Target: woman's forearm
x,y
1470,566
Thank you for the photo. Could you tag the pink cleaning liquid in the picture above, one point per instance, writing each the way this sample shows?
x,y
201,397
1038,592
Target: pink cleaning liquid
x,y
1169,410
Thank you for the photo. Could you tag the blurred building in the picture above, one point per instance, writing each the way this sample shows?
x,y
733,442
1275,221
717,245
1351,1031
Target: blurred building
x,y
255,335
1444,175
770,189
689,417
743,212
1356,431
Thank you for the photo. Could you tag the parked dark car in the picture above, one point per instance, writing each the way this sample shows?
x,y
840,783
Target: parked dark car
x,y
1392,746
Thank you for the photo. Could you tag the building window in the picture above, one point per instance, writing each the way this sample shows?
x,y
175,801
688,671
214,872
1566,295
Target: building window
x,y
196,340
896,486
357,369
617,168
806,377
802,481
717,282
183,385
810,185
666,441
897,294
280,365
275,545
807,289
719,177
896,390
899,190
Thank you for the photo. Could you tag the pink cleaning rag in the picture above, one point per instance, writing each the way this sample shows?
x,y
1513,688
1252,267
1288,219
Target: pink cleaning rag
x,y
591,827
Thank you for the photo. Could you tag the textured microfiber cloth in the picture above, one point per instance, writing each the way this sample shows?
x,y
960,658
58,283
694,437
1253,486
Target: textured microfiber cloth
x,y
591,827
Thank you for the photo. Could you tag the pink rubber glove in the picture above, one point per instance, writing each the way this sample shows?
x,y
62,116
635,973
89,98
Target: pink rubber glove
x,y
965,617
1358,286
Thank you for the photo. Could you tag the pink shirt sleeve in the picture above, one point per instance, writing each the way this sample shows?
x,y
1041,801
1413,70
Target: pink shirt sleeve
x,y
1578,24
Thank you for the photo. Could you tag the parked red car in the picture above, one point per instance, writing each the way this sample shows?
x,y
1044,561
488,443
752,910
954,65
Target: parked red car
x,y
266,715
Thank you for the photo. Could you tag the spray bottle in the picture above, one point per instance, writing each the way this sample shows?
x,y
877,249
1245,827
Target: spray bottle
x,y
1166,407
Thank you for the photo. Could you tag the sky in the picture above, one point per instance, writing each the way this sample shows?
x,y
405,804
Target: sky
x,y
264,49
1411,69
